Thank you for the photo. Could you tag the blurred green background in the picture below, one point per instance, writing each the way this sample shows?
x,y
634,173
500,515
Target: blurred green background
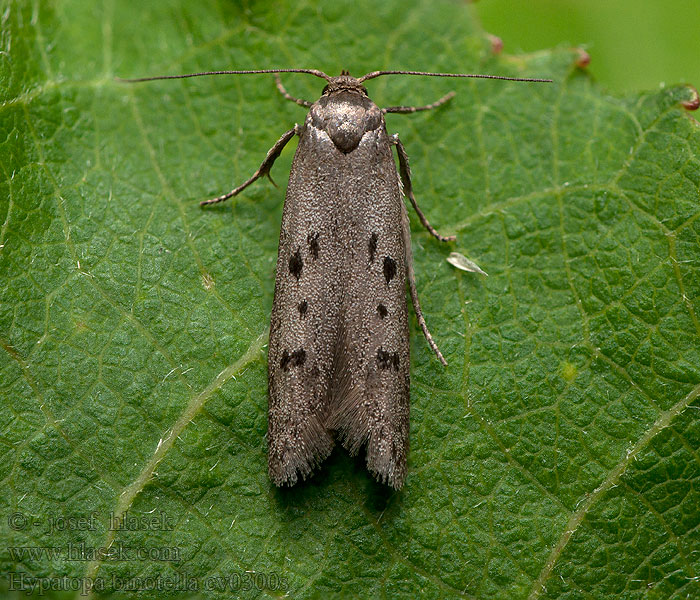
x,y
634,44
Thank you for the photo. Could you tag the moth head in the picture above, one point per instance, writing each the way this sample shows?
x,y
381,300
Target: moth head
x,y
344,83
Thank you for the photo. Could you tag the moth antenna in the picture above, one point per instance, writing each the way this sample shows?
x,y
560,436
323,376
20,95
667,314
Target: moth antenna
x,y
315,72
374,74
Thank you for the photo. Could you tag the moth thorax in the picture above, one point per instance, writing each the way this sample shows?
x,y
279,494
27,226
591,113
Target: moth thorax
x,y
345,115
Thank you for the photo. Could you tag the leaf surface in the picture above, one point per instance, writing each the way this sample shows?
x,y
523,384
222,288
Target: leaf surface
x,y
556,456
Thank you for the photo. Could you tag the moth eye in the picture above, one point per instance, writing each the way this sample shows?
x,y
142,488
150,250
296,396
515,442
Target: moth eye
x,y
389,268
382,311
296,264
303,307
325,89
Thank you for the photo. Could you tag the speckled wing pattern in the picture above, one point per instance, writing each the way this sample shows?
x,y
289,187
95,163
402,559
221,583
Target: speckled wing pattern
x,y
338,364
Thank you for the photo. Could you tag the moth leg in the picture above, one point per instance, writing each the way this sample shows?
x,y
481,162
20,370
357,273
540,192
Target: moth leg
x,y
408,188
288,96
410,273
412,109
264,168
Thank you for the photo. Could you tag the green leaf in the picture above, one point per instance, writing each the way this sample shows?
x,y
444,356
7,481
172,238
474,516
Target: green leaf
x,y
556,456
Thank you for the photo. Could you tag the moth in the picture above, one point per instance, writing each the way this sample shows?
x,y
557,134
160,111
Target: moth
x,y
338,359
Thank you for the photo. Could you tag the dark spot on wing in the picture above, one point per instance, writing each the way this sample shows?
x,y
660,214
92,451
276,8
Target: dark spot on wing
x,y
303,307
284,361
298,357
389,268
275,323
314,246
386,360
296,264
295,359
381,309
372,246
383,358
